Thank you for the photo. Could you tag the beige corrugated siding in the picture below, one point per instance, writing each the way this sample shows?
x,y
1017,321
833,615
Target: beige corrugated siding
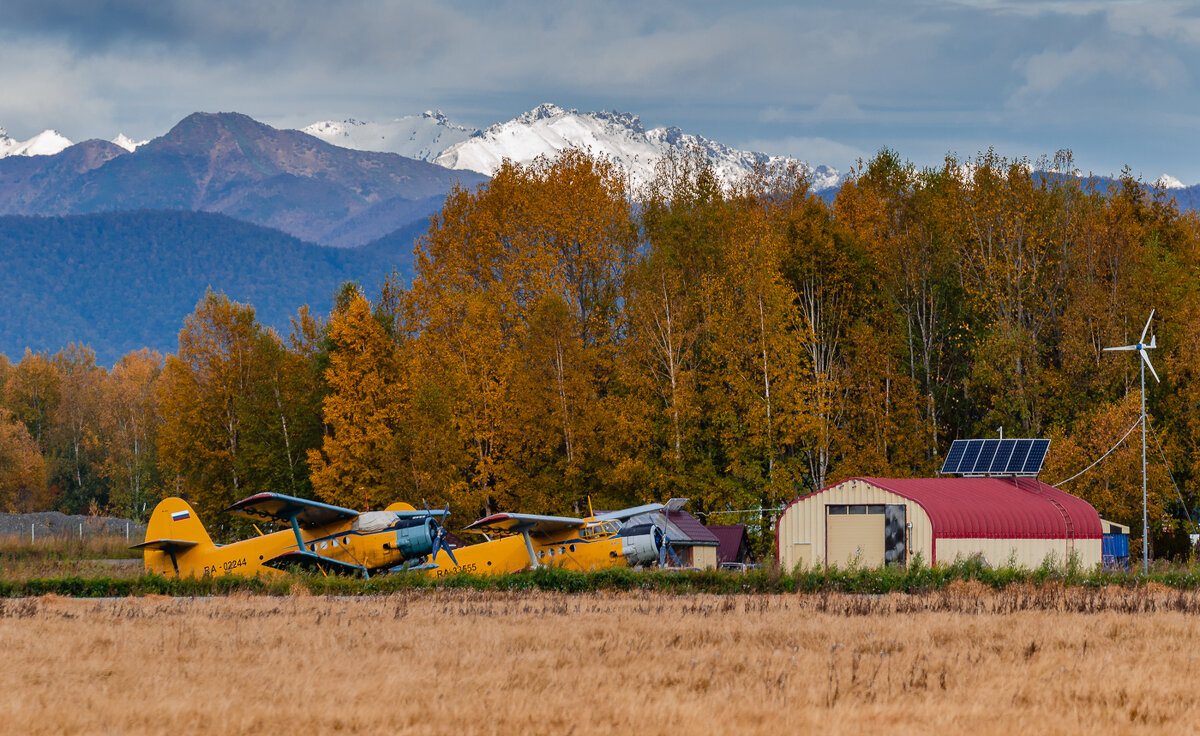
x,y
802,526
704,558
1030,553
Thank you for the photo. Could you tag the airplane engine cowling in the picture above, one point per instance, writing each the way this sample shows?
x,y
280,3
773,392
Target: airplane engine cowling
x,y
414,537
641,543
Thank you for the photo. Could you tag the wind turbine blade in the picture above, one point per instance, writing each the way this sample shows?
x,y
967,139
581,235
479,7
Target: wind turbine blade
x,y
1149,365
1123,347
1146,329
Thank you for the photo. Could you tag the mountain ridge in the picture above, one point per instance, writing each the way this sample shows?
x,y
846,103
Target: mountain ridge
x,y
231,164
547,129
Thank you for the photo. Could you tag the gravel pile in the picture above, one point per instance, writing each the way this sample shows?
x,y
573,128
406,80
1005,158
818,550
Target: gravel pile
x,y
55,523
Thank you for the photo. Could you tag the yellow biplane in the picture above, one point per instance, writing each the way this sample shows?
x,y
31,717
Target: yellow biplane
x,y
321,537
525,541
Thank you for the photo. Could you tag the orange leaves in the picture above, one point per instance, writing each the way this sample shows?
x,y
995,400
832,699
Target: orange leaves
x,y
22,469
517,305
367,400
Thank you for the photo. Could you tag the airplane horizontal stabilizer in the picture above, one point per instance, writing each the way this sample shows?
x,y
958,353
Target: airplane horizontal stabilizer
x,y
166,545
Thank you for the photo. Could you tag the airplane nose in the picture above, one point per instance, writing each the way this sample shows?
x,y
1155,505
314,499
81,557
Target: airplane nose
x,y
642,543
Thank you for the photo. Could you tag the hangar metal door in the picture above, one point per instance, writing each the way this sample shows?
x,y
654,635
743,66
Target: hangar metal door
x,y
854,535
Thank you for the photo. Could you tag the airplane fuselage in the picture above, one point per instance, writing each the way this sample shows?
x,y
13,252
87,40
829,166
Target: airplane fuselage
x,y
341,541
592,547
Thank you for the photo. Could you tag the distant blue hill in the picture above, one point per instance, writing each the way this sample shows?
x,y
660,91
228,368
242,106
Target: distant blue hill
x,y
119,281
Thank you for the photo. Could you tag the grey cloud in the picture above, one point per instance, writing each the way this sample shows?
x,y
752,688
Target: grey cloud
x,y
922,78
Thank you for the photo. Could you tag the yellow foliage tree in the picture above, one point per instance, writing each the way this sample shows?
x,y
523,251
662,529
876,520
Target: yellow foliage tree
x,y
357,465
129,420
22,469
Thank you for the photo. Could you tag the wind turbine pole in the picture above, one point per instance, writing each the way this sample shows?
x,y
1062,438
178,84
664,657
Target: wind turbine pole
x,y
1145,524
1144,362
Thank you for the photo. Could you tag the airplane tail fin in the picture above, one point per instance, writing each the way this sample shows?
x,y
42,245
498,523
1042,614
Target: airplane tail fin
x,y
174,529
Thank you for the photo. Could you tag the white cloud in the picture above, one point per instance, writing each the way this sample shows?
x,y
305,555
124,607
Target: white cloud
x,y
812,150
1115,61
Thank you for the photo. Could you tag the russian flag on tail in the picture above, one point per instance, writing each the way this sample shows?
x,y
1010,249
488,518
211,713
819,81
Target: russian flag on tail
x,y
180,515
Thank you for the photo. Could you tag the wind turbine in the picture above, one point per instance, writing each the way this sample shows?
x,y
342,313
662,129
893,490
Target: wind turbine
x,y
1142,346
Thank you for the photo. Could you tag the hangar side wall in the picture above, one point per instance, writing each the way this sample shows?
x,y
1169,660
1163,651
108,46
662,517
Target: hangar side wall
x,y
802,525
1030,553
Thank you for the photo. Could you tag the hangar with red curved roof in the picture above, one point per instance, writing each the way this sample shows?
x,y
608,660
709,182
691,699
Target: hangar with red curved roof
x,y
874,521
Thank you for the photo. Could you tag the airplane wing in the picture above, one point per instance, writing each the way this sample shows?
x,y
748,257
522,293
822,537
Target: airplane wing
x,y
166,545
504,525
630,512
306,560
282,509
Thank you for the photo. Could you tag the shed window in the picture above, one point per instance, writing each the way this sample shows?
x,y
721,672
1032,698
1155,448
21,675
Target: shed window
x,y
856,508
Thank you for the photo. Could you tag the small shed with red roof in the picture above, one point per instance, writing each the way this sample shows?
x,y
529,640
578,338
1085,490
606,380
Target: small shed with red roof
x,y
734,542
875,521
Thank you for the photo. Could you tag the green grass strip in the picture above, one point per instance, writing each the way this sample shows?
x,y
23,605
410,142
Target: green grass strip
x,y
914,579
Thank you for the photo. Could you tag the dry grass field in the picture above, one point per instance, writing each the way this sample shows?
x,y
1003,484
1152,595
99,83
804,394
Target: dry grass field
x,y
966,660
65,556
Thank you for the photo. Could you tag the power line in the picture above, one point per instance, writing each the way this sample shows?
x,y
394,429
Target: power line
x,y
1110,451
1169,473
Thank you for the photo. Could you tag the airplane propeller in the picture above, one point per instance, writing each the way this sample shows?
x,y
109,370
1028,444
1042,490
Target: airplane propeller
x,y
439,539
666,549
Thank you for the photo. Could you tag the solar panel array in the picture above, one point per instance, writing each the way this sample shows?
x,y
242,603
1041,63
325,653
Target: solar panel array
x,y
995,457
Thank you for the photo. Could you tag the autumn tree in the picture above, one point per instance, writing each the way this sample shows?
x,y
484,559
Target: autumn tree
x,y
899,214
518,286
32,393
129,420
221,438
356,464
666,324
75,432
22,468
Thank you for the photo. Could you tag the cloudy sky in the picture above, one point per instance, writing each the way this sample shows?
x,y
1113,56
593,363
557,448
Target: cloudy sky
x,y
1113,81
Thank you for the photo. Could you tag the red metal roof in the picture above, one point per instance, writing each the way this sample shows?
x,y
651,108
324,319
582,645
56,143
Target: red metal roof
x,y
734,546
994,508
697,533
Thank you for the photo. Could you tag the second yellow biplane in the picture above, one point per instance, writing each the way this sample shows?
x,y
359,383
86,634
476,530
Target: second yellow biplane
x,y
525,541
322,537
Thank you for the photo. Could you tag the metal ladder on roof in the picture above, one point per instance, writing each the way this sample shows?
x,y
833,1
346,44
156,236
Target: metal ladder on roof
x,y
1068,522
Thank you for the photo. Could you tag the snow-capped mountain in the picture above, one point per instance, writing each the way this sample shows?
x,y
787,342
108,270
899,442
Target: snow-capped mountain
x,y
46,143
50,142
545,130
128,143
548,128
422,137
1166,181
